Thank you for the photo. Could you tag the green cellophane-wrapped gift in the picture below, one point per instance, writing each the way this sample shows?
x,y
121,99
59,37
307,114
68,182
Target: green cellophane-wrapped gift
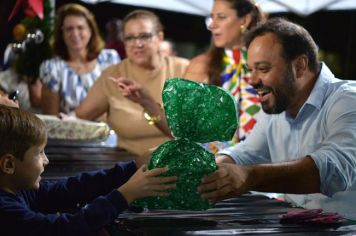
x,y
196,113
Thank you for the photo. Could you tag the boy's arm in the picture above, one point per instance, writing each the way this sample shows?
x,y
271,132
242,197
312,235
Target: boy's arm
x,y
19,219
78,191
89,219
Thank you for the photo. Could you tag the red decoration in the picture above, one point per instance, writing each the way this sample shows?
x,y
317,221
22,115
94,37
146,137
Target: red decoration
x,y
35,8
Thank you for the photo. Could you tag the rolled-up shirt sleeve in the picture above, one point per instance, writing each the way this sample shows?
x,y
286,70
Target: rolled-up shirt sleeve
x,y
336,157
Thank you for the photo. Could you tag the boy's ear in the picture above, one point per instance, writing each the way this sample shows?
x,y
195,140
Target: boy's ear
x,y
7,164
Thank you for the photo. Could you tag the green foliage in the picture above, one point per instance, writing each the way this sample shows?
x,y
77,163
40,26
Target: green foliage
x,y
29,61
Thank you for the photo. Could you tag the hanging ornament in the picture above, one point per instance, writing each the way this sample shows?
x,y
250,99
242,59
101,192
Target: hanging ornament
x,y
35,36
18,47
19,32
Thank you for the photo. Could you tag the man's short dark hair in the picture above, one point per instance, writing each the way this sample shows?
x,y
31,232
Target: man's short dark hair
x,y
295,40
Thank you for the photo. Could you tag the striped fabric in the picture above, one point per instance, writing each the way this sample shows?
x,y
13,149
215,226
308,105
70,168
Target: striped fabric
x,y
72,88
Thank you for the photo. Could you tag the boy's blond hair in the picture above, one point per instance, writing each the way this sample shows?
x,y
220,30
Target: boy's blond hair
x,y
19,130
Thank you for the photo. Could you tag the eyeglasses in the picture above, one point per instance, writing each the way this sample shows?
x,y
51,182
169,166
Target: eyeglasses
x,y
142,37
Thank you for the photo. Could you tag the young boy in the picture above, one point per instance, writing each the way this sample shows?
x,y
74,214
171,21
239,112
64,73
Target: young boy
x,y
76,206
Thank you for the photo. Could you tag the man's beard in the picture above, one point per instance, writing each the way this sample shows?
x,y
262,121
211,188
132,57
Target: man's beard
x,y
282,93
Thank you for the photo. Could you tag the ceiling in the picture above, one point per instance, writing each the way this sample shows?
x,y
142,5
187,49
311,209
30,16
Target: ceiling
x,y
202,7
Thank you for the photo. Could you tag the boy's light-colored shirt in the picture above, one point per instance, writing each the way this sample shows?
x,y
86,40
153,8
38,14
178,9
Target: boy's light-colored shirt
x,y
325,129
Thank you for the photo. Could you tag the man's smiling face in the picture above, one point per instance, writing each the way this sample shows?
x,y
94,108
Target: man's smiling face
x,y
271,76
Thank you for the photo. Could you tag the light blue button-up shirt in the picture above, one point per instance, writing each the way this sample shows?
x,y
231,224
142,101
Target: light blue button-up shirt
x,y
324,128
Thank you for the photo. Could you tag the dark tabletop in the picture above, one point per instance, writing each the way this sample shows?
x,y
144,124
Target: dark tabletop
x,y
250,214
69,157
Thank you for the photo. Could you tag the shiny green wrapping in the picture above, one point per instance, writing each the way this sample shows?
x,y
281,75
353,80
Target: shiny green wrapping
x,y
189,161
195,112
199,112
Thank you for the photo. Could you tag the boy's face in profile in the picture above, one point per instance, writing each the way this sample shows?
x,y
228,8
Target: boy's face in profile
x,y
28,171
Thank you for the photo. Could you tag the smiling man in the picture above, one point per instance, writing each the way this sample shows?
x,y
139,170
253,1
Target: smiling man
x,y
305,146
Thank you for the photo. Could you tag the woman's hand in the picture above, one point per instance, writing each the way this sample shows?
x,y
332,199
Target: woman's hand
x,y
133,91
139,94
146,183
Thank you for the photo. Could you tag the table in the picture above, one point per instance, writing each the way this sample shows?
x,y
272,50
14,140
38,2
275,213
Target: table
x,y
69,158
250,214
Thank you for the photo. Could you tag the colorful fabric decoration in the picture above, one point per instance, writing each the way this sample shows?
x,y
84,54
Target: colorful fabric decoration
x,y
235,78
195,112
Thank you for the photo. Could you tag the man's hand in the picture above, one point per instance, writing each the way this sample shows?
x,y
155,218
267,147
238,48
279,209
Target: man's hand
x,y
222,158
229,180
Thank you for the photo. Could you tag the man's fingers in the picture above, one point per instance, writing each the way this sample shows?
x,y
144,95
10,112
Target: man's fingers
x,y
207,187
218,174
217,184
220,194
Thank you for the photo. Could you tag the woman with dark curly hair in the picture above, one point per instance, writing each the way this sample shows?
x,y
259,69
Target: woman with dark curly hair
x,y
224,63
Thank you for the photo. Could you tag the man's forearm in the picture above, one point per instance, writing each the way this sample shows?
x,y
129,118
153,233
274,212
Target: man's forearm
x,y
299,177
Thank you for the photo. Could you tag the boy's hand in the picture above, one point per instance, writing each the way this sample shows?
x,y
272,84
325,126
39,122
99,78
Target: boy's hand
x,y
146,183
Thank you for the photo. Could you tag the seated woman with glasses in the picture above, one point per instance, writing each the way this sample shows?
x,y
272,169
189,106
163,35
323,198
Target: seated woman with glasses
x,y
80,59
130,92
224,63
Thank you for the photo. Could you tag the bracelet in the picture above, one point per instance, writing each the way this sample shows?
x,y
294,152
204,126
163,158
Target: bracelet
x,y
152,120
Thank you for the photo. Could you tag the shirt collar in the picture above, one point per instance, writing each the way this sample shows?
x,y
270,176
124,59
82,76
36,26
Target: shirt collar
x,y
318,94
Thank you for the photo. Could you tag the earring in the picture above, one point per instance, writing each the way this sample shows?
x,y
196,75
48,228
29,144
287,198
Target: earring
x,y
242,29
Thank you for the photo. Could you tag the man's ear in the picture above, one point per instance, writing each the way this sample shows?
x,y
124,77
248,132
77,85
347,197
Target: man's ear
x,y
300,65
7,164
